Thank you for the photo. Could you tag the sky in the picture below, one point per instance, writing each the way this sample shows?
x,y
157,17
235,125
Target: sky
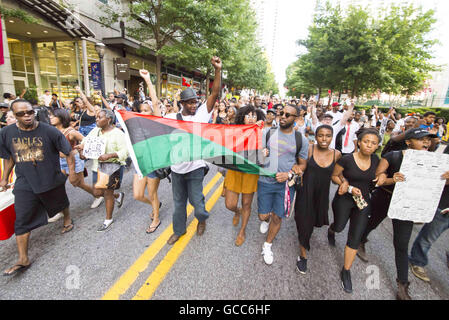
x,y
295,16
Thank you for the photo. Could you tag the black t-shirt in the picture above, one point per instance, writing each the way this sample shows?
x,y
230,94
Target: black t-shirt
x,y
36,155
87,120
358,178
394,159
394,146
444,202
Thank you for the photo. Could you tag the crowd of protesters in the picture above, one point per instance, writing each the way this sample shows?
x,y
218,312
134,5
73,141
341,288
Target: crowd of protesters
x,y
307,143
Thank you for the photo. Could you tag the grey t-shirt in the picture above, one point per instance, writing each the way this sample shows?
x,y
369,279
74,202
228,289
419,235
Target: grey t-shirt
x,y
282,152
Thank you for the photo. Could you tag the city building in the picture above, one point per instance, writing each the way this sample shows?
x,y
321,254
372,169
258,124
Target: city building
x,y
56,53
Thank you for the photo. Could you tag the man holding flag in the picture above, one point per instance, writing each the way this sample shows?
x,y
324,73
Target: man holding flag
x,y
187,177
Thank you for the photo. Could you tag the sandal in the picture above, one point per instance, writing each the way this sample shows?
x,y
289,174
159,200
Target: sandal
x,y
20,268
152,229
152,214
67,228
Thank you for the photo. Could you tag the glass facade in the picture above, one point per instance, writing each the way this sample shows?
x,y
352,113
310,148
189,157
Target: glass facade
x,y
58,66
22,64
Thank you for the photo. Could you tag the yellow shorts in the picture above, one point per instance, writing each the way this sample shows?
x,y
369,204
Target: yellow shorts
x,y
240,182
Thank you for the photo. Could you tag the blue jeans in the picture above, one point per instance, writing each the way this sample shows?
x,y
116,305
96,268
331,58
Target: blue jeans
x,y
429,233
85,130
188,186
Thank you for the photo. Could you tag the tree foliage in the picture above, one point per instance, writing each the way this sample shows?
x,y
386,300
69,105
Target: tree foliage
x,y
189,32
355,52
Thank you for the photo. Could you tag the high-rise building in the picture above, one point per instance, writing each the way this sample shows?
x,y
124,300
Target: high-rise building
x,y
267,16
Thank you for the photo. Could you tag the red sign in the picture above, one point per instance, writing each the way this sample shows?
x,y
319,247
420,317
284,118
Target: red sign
x,y
184,83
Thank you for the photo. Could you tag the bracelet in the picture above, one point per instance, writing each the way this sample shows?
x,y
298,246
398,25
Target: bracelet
x,y
350,189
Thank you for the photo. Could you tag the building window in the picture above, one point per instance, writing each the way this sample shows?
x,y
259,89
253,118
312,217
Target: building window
x,y
22,64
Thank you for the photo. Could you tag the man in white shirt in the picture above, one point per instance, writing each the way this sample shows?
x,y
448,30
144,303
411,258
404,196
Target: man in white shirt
x,y
187,177
327,119
46,98
400,123
346,138
336,115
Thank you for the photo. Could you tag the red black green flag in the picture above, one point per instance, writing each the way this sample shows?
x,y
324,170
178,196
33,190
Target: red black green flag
x,y
156,143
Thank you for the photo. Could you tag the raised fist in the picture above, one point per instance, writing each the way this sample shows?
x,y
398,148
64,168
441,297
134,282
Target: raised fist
x,y
216,62
144,74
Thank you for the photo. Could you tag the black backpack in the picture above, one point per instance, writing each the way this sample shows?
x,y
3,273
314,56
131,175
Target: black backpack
x,y
298,139
42,114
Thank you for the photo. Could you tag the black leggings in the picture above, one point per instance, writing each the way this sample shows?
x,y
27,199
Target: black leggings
x,y
345,209
402,231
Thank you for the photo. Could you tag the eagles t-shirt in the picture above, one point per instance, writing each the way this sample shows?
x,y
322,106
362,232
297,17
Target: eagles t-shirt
x,y
36,155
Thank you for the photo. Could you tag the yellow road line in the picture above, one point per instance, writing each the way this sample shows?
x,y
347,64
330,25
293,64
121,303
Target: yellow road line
x,y
158,275
141,264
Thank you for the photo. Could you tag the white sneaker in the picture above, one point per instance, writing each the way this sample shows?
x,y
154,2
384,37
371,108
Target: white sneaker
x,y
119,200
97,202
267,253
264,227
58,216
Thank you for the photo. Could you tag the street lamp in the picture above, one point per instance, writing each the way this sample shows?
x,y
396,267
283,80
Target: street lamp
x,y
101,49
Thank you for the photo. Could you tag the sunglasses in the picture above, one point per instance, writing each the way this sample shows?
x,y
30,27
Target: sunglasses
x,y
287,115
22,113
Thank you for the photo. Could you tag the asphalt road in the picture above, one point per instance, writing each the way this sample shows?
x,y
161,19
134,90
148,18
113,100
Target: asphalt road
x,y
85,264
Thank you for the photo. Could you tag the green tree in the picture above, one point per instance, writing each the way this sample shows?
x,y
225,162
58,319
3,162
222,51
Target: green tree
x,y
355,52
189,32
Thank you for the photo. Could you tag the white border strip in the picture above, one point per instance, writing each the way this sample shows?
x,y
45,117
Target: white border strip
x,y
129,144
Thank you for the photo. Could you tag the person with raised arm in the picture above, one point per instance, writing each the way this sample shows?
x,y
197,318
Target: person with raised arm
x,y
187,177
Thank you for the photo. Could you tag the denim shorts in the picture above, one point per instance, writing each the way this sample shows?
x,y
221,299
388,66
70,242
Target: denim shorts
x,y
270,198
152,175
79,164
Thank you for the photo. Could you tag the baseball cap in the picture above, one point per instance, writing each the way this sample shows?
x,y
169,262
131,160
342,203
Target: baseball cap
x,y
4,105
418,133
279,105
336,104
271,111
122,95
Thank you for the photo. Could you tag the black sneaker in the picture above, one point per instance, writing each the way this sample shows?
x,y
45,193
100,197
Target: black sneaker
x,y
346,283
361,252
301,265
331,238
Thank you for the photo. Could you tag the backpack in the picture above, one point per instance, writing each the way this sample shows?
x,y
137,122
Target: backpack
x,y
42,114
298,139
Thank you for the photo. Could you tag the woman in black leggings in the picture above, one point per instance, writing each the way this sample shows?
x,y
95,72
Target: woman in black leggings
x,y
388,175
355,174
